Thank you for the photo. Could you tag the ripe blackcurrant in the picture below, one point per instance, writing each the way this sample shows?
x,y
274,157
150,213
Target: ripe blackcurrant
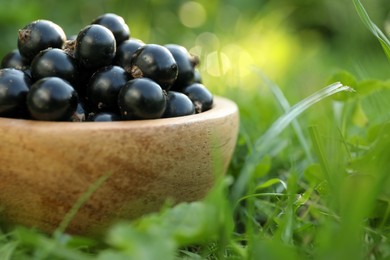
x,y
197,76
141,98
52,99
39,35
125,51
13,59
104,86
14,86
116,25
155,62
186,64
200,96
178,104
104,117
56,63
99,74
95,46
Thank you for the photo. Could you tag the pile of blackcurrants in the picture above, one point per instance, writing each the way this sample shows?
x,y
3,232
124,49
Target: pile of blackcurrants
x,y
100,74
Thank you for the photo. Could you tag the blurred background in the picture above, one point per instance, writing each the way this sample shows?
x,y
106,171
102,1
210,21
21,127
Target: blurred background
x,y
298,44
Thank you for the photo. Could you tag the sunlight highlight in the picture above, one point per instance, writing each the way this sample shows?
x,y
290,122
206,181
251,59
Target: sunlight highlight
x,y
192,14
217,64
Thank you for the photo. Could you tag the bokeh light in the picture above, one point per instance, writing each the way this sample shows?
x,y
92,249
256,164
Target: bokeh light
x,y
208,41
192,14
217,64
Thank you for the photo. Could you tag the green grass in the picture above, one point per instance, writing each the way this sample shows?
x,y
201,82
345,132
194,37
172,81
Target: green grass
x,y
309,178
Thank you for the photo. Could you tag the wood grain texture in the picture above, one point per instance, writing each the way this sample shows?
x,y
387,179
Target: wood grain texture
x,y
46,166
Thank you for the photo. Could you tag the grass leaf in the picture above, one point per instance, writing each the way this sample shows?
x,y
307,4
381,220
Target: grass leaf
x,y
44,247
271,182
79,203
7,250
384,41
284,104
269,138
376,106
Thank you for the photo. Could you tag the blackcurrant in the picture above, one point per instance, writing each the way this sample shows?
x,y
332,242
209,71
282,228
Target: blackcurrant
x,y
39,35
104,86
95,46
84,76
141,98
186,64
125,51
54,62
116,24
14,86
178,104
200,96
28,72
13,59
155,62
52,99
197,76
104,117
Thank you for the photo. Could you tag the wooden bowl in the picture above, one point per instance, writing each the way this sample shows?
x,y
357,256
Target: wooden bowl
x,y
45,167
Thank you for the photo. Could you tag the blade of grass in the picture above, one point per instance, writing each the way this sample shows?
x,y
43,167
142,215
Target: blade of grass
x,y
79,203
271,182
269,138
7,250
283,102
384,41
40,246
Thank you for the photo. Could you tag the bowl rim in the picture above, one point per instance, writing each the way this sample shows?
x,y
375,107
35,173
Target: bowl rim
x,y
222,107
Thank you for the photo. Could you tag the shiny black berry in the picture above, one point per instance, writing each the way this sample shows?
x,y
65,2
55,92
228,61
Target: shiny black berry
x,y
39,35
197,76
84,75
125,51
186,65
178,104
14,86
200,96
95,46
13,59
141,98
104,117
52,99
116,25
54,62
103,88
155,62
28,72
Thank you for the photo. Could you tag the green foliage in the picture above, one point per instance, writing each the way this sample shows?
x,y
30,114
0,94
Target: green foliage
x,y
383,40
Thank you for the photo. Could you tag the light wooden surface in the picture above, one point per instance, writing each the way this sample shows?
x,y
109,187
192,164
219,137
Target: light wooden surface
x,y
46,166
